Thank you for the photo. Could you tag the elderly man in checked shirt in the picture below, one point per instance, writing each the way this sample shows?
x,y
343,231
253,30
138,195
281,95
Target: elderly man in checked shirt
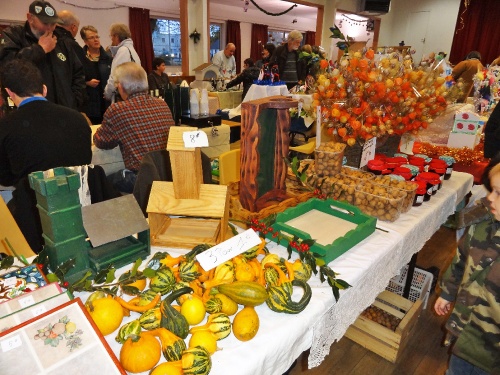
x,y
138,124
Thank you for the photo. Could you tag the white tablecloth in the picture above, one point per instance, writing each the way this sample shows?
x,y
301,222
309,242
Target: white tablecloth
x,y
368,267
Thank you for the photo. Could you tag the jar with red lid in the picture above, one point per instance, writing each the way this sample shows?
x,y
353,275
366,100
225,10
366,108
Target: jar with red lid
x,y
377,167
418,162
450,161
421,193
432,180
439,167
404,172
395,162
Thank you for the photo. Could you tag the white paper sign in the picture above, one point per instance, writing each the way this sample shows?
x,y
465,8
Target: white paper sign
x,y
38,310
195,139
406,144
368,151
226,250
27,301
11,343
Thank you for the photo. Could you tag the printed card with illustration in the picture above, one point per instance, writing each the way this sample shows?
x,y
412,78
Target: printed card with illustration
x,y
21,281
61,341
33,310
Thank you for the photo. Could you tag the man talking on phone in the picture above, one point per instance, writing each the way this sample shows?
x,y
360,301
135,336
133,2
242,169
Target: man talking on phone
x,y
61,70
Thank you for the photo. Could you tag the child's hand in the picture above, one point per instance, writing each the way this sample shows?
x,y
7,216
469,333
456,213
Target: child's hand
x,y
442,306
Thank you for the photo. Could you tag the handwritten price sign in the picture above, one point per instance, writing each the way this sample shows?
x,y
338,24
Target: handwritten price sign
x,y
195,139
226,250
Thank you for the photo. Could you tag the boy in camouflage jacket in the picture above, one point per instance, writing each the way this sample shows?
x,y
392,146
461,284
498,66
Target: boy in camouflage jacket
x,y
472,282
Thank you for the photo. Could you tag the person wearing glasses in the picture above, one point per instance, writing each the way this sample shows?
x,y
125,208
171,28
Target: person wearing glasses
x,y
97,67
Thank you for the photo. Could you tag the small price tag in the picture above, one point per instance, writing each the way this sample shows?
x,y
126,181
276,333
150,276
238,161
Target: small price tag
x,y
10,282
11,343
226,250
40,309
26,301
368,152
195,139
406,144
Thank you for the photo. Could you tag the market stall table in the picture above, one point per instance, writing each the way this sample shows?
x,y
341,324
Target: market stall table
x,y
368,267
227,99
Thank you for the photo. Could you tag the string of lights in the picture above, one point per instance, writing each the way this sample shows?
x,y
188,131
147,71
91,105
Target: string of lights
x,y
353,21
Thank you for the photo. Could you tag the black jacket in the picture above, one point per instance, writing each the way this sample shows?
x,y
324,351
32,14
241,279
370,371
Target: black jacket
x,y
247,76
492,134
61,69
38,136
96,104
279,58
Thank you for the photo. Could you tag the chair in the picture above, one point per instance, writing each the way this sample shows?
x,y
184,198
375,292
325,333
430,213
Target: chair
x,y
298,127
306,148
229,167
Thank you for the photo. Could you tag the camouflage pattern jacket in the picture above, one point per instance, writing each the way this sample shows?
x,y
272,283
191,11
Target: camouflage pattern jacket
x,y
473,282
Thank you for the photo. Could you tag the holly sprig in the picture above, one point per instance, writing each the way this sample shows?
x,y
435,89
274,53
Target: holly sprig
x,y
303,248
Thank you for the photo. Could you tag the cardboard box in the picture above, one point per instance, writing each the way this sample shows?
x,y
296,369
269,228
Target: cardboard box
x,y
458,140
380,339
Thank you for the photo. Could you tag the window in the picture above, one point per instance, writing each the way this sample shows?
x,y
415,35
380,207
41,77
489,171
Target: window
x,y
167,40
215,42
278,37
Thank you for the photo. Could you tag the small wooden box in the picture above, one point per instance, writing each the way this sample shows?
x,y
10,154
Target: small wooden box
x,y
381,340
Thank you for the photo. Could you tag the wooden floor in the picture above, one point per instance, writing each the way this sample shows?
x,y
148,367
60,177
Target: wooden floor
x,y
424,354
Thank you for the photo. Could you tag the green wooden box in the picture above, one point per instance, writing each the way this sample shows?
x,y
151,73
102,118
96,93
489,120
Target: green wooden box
x,y
336,226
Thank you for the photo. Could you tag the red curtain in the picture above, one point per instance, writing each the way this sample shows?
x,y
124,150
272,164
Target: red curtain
x,y
477,29
234,36
140,27
310,38
259,38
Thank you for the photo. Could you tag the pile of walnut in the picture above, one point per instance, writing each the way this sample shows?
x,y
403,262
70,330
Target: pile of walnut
x,y
381,317
328,158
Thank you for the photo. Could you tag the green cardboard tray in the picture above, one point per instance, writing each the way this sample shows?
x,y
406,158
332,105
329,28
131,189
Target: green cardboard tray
x,y
365,226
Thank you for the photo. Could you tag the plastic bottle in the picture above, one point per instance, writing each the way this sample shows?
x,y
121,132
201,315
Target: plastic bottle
x,y
204,103
194,104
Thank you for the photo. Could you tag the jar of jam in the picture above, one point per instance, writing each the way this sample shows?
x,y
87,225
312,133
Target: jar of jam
x,y
418,162
439,167
432,180
450,161
404,172
421,193
377,167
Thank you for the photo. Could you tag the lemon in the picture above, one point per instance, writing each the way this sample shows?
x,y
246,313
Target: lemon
x,y
193,310
205,339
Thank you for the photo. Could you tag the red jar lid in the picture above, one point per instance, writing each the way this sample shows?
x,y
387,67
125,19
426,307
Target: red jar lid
x,y
428,176
438,170
376,165
438,163
403,171
380,157
422,187
415,160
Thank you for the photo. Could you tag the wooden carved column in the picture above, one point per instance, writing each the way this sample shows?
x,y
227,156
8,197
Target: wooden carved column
x,y
265,124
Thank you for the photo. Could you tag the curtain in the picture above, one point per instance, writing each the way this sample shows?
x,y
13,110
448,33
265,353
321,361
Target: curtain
x,y
310,38
477,29
234,36
140,27
259,38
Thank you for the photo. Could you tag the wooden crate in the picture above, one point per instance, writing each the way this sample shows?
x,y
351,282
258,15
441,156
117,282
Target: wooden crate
x,y
381,340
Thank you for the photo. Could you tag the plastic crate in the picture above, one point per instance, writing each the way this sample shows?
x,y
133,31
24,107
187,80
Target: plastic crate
x,y
420,285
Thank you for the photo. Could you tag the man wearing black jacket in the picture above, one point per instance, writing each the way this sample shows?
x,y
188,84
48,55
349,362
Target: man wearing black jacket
x,y
39,135
286,57
61,69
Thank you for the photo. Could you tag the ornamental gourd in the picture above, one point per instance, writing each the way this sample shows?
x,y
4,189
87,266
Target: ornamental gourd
x,y
280,297
196,361
132,328
172,319
218,323
246,293
188,270
172,346
163,281
150,319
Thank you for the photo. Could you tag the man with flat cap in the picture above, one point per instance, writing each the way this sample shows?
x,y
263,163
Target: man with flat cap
x,y
62,71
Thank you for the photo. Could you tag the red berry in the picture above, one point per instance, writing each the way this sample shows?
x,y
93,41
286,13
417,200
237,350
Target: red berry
x,y
65,284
